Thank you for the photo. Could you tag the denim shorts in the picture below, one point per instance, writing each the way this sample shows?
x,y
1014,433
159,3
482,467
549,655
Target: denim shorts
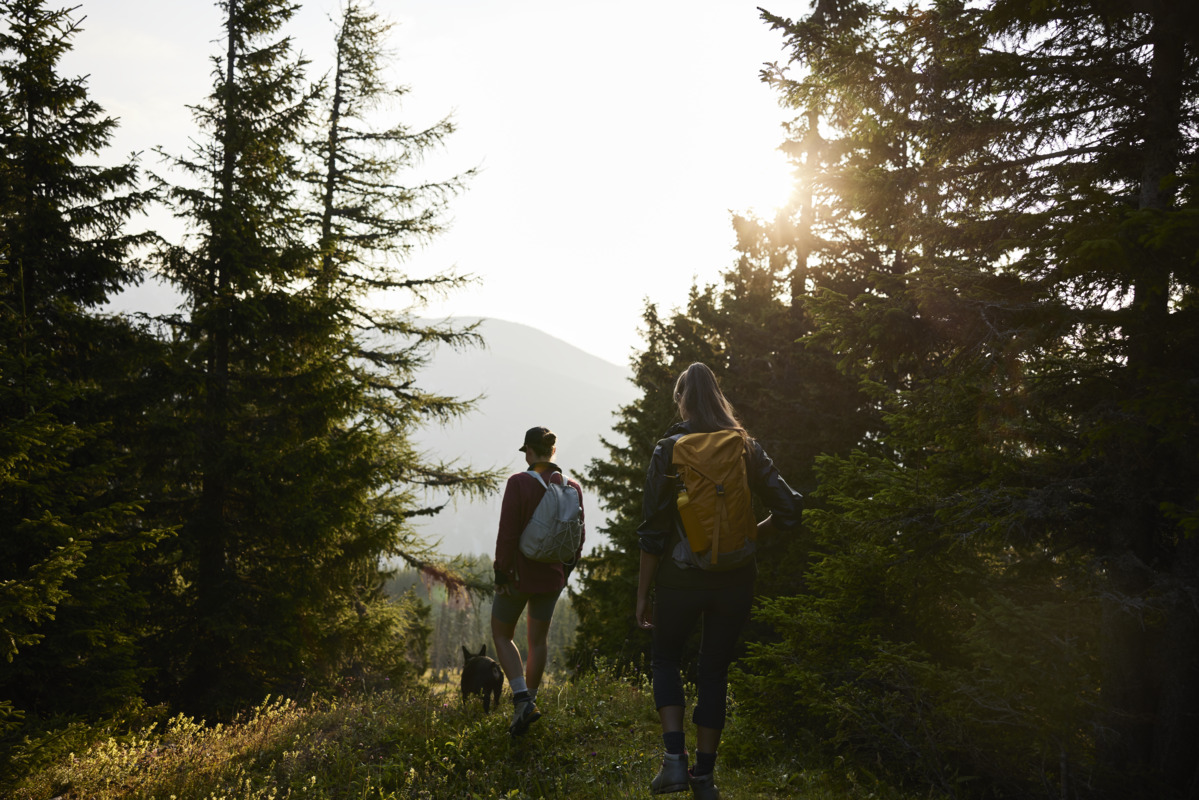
x,y
507,607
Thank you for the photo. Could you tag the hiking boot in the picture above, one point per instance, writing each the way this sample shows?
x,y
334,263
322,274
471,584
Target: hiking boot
x,y
673,775
703,787
525,715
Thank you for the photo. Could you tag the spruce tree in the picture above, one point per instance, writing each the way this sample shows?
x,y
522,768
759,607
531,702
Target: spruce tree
x,y
905,595
296,480
71,541
368,221
235,616
1012,189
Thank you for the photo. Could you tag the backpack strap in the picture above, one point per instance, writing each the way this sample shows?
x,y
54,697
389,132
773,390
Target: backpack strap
x,y
667,446
724,522
544,483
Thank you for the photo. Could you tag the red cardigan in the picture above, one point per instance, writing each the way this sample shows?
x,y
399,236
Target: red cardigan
x,y
521,495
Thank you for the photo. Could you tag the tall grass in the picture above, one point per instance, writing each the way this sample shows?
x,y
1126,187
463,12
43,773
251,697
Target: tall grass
x,y
598,738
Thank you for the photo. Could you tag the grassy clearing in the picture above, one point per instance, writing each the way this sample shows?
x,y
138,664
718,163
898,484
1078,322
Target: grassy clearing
x,y
598,738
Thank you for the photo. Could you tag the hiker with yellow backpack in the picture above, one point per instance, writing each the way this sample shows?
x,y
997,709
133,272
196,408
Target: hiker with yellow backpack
x,y
698,538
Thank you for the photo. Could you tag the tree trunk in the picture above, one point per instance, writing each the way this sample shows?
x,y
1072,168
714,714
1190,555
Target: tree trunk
x,y
1151,629
210,653
1175,753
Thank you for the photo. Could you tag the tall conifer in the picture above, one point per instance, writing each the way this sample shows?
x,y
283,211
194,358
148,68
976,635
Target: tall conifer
x,y
233,629
1012,189
70,543
369,213
296,480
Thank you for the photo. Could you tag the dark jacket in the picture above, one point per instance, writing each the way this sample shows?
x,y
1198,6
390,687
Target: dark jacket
x,y
521,496
659,529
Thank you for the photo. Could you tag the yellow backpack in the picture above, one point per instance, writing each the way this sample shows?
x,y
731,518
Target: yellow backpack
x,y
714,502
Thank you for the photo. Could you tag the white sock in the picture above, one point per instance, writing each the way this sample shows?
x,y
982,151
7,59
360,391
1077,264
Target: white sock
x,y
518,685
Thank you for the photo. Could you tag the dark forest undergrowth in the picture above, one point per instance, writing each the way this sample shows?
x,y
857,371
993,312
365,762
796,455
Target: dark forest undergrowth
x,y
598,738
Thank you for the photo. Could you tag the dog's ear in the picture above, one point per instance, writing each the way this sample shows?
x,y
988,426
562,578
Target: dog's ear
x,y
483,649
466,654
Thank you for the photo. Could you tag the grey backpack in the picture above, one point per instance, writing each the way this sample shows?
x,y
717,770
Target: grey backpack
x,y
555,531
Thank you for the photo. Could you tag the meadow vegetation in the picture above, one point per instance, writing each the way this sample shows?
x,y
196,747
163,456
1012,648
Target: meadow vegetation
x,y
598,739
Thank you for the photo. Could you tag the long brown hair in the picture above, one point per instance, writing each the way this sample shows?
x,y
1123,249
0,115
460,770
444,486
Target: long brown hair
x,y
704,405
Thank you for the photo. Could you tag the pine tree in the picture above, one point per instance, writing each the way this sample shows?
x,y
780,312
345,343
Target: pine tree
x,y
367,224
297,480
232,627
1011,190
70,539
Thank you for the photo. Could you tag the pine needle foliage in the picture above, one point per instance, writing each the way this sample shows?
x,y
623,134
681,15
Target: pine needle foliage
x,y
788,395
296,480
71,539
1002,216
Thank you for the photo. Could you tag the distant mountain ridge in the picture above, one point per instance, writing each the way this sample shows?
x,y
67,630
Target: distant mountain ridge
x,y
522,377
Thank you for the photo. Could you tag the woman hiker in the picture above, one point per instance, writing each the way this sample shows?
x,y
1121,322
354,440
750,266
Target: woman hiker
x,y
690,588
520,581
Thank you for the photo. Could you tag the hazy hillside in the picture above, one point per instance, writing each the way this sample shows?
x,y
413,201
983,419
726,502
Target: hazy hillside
x,y
524,377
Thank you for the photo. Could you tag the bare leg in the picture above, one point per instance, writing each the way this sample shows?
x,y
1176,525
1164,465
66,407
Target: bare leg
x,y
539,631
525,711
505,649
707,739
672,718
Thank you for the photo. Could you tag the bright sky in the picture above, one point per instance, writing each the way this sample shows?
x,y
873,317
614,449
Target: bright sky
x,y
613,138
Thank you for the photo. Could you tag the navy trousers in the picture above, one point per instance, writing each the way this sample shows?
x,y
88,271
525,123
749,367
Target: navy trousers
x,y
722,613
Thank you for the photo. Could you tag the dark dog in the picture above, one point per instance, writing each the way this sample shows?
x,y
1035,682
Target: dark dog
x,y
481,675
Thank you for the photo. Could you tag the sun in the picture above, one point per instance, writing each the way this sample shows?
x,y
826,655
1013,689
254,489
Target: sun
x,y
764,185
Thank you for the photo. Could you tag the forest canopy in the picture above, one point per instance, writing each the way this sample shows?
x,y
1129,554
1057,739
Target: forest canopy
x,y
201,508
971,340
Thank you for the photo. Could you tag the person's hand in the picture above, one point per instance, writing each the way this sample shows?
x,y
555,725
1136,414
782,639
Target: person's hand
x,y
645,613
503,582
